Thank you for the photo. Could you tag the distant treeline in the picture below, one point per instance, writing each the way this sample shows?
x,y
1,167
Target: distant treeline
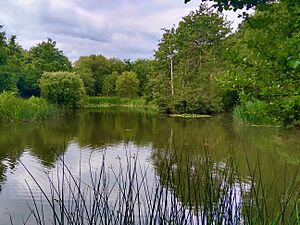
x,y
200,67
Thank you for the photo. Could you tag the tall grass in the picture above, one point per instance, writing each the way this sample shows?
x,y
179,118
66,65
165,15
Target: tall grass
x,y
15,109
201,192
255,112
94,102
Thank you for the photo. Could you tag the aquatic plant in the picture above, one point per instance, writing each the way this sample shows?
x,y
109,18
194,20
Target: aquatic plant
x,y
16,109
202,192
255,112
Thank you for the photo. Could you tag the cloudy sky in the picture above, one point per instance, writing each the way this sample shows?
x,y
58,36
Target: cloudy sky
x,y
114,28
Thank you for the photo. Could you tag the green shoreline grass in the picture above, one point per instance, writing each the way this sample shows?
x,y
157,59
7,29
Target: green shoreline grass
x,y
192,116
15,109
97,102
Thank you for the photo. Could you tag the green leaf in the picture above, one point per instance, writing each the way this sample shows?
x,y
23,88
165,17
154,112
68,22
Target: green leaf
x,y
293,63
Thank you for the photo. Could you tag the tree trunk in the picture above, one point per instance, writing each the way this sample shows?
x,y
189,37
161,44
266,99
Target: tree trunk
x,y
171,78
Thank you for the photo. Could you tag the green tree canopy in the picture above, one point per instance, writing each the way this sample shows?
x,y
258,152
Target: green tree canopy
x,y
127,84
109,84
44,57
264,60
188,60
94,69
11,58
142,68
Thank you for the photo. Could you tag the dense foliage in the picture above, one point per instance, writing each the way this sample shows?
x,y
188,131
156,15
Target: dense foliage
x,y
44,57
188,60
263,62
11,56
127,84
109,84
20,70
63,88
94,69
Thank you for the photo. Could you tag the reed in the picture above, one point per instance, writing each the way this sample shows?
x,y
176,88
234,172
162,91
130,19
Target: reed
x,y
15,109
201,192
94,102
255,112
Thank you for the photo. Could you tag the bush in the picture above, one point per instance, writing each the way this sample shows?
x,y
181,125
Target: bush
x,y
63,88
15,109
127,84
197,105
287,110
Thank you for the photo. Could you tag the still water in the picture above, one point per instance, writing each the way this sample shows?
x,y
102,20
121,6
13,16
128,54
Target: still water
x,y
83,137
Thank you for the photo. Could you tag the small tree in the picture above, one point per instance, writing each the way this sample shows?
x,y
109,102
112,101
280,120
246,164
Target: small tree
x,y
63,88
127,84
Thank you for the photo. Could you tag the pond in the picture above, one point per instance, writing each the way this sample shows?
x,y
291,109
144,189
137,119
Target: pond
x,y
83,138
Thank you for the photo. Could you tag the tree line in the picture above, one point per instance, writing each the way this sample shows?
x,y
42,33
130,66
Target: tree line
x,y
200,66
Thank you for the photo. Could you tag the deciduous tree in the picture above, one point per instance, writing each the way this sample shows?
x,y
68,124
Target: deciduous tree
x,y
127,84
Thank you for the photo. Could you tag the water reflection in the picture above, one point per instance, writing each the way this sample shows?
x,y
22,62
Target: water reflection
x,y
187,142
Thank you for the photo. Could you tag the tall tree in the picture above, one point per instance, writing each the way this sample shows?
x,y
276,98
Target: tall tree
x,y
109,84
190,57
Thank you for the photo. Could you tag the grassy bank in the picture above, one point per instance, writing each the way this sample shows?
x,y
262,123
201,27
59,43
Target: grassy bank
x,y
15,109
96,102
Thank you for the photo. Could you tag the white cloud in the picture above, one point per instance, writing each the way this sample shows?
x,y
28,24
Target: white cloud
x,y
115,28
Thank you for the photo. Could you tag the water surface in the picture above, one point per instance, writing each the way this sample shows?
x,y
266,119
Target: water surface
x,y
121,132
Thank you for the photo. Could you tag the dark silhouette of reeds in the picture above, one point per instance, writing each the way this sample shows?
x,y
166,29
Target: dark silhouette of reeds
x,y
201,192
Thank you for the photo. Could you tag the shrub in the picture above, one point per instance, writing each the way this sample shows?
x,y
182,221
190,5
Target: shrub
x,y
287,110
63,88
127,84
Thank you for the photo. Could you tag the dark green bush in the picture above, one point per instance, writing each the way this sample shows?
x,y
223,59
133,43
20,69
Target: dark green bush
x,y
63,88
195,104
287,110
